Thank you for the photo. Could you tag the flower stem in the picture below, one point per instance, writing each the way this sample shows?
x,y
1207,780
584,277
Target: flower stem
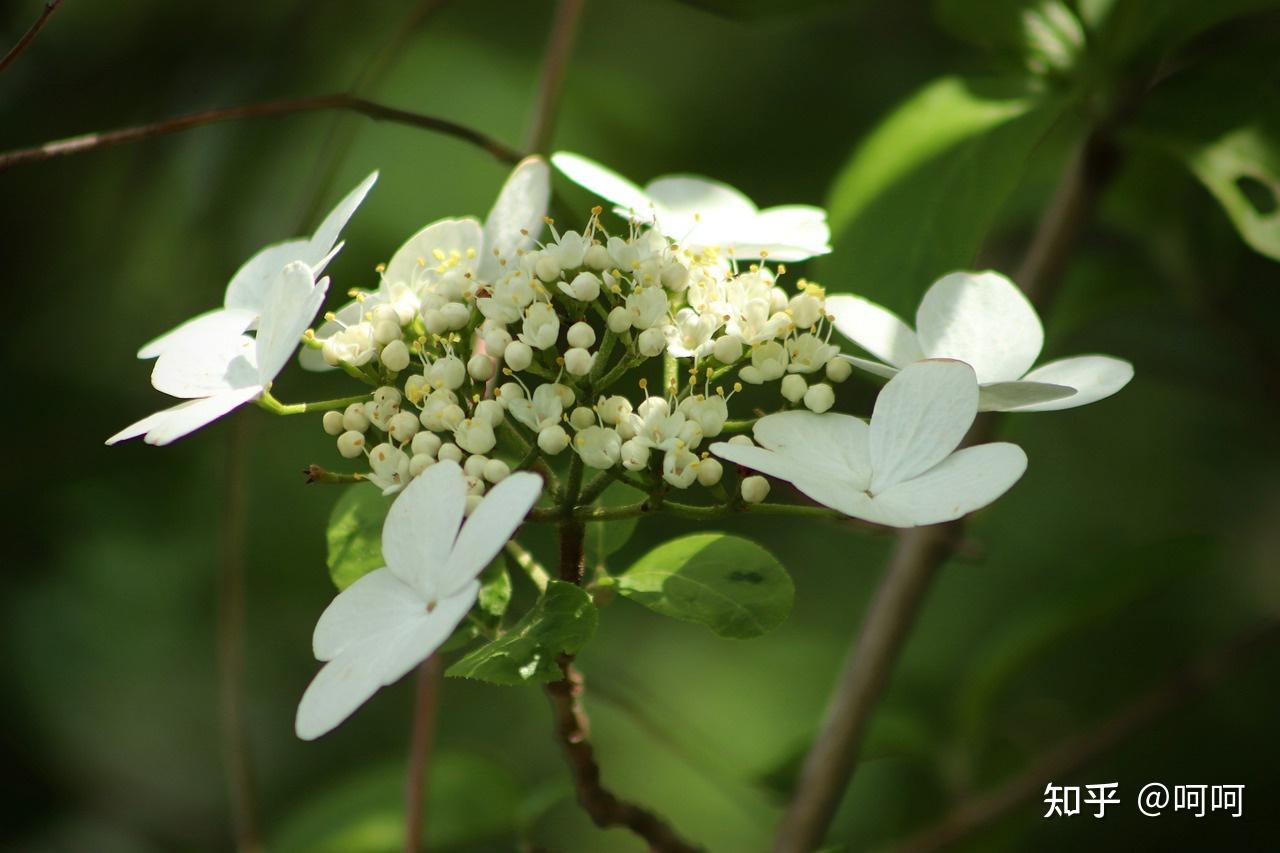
x,y
271,404
529,564
422,736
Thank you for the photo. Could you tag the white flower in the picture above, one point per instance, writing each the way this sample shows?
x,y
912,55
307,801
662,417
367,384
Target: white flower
x,y
598,446
393,618
246,292
985,320
541,326
710,413
218,370
903,470
390,468
646,306
543,411
690,335
702,213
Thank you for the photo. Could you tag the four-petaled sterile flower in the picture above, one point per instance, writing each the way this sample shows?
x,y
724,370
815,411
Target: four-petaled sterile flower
x,y
985,320
393,618
902,470
246,292
701,213
219,369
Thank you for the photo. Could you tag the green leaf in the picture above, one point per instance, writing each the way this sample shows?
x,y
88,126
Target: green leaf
x,y
730,584
919,195
562,622
355,534
495,588
1045,35
365,813
604,538
1134,31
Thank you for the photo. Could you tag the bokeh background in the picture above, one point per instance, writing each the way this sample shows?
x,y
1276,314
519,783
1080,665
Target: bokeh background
x,y
1145,533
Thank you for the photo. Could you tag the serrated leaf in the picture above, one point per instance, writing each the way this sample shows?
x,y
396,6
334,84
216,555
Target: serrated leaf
x,y
730,584
354,535
604,538
562,622
917,198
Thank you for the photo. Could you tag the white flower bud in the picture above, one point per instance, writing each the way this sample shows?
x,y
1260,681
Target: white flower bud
x,y
491,411
508,392
598,446
634,454
474,466
416,387
433,408
553,439
449,452
495,471
420,462
584,287
496,342
547,267
819,398
475,435
751,376
384,314
675,277
619,320
581,335
448,372
452,416
353,418
403,426
770,359
578,361
426,444
755,489
839,369
473,503
805,310
456,315
582,417
332,422
727,349
385,332
709,471
680,467
518,355
744,440
793,387
395,355
351,444
541,326
388,396
435,322
652,342
390,468
563,393
480,367
614,409
380,416
597,257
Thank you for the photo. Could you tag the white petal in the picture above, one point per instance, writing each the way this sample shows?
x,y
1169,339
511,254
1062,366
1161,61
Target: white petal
x,y
464,236
326,236
983,319
374,603
352,312
1010,396
489,527
422,525
173,423
516,219
1093,376
877,330
207,363
346,682
793,232
872,367
824,486
248,287
967,480
602,181
831,442
291,304
920,416
219,322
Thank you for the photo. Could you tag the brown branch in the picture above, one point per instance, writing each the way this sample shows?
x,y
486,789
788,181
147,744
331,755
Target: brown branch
x,y
921,551
564,28
30,35
422,735
378,112
1196,678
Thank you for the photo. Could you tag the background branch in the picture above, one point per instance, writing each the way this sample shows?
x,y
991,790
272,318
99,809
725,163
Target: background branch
x,y
426,691
564,29
30,35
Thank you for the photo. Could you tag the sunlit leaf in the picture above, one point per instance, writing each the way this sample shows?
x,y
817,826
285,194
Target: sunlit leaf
x,y
604,538
730,584
495,588
354,535
562,621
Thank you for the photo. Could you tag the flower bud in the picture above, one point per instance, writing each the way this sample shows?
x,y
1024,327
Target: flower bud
x,y
744,440
452,416
751,375
819,398
675,277
456,315
384,314
584,287
727,349
448,372
416,387
709,471
403,426
578,361
755,489
582,417
420,462
581,335
480,368
805,310
395,355
449,452
426,444
332,422
547,267
793,387
388,396
434,321
351,444
473,503
474,466
518,355
509,391
839,369
597,257
385,332
495,471
475,435
652,342
619,320
598,446
553,439
491,411
353,418
380,416
496,342
614,409
680,467
634,455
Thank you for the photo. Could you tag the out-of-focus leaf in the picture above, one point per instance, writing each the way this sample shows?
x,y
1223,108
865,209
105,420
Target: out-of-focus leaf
x,y
562,621
749,10
1127,31
1045,35
730,584
1223,122
602,539
918,196
354,535
470,800
495,588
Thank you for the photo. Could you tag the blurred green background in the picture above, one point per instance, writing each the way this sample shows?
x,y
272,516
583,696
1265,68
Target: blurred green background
x,y
1145,532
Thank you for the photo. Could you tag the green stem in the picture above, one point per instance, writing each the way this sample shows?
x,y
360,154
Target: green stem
x,y
738,427
271,404
528,564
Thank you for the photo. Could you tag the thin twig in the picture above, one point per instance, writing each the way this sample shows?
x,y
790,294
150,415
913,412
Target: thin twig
x,y
30,35
564,28
378,112
921,551
230,638
975,812
422,735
